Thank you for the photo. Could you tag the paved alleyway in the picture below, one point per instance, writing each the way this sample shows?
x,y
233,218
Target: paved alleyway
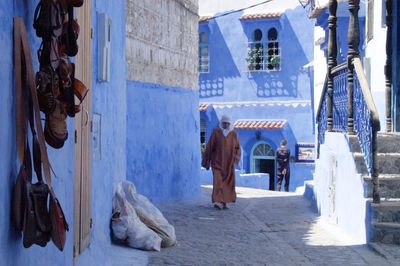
x,y
262,228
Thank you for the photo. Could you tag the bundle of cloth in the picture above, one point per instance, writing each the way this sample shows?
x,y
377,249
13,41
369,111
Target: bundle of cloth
x,y
137,223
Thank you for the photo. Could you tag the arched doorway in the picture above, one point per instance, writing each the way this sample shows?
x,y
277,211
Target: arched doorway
x,y
262,160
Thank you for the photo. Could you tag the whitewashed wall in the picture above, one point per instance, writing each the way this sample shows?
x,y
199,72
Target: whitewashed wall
x,y
376,52
161,42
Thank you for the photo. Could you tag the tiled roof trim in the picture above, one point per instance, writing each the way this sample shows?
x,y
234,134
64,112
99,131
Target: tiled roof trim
x,y
261,16
259,124
204,18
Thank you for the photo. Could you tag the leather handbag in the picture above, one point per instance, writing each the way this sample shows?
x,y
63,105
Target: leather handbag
x,y
19,199
59,224
37,226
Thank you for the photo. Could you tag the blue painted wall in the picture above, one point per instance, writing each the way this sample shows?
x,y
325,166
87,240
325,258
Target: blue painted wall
x,y
229,79
163,149
108,100
298,116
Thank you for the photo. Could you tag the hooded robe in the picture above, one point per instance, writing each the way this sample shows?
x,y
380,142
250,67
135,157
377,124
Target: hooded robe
x,y
222,152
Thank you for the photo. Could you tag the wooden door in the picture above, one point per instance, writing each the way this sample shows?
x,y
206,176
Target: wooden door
x,y
82,175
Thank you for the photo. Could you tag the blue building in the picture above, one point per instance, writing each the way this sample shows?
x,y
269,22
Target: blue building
x,y
256,66
134,125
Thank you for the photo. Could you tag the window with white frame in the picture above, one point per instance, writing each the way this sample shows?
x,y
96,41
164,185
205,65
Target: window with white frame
x,y
204,58
273,52
256,51
263,52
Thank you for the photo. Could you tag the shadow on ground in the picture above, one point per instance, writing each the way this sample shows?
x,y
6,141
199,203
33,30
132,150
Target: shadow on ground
x,y
261,228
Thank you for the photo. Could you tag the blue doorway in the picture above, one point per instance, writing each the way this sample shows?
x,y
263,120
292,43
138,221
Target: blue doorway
x,y
262,160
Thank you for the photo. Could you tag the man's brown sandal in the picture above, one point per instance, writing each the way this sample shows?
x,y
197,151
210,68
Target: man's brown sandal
x,y
217,207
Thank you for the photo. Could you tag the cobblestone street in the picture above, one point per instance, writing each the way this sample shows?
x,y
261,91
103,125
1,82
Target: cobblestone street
x,y
262,228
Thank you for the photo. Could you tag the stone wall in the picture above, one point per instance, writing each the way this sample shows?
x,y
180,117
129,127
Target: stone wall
x,y
161,42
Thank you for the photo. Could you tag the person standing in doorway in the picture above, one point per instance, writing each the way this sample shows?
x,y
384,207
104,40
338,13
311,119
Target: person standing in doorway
x,y
282,160
222,153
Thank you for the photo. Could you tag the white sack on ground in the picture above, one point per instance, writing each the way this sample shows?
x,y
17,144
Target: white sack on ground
x,y
127,226
150,215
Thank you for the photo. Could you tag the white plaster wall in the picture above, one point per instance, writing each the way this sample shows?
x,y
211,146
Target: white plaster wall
x,y
161,42
320,66
339,189
376,51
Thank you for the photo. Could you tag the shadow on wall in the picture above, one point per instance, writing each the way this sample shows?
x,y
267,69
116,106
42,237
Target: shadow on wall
x,y
222,64
296,42
211,87
276,85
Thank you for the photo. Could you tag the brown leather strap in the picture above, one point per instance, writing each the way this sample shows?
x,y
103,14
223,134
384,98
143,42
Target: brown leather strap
x,y
19,109
20,39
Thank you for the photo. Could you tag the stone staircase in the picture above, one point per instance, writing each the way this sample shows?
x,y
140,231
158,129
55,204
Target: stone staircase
x,y
385,216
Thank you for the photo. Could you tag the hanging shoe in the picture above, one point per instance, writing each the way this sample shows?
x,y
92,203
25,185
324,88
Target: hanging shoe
x,y
55,128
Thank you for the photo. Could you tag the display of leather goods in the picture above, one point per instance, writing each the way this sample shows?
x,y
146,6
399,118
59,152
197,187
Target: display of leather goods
x,y
19,196
55,129
52,92
56,86
41,220
59,224
18,199
74,3
47,85
70,96
37,163
65,71
80,90
47,18
70,34
37,226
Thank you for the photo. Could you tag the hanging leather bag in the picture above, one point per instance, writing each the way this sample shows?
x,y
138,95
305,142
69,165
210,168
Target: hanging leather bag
x,y
19,196
58,223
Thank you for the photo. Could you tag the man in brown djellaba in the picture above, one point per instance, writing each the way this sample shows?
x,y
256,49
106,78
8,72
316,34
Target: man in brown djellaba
x,y
223,153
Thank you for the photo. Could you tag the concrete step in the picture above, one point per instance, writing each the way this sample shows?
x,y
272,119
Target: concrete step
x,y
388,163
387,211
386,143
389,186
387,233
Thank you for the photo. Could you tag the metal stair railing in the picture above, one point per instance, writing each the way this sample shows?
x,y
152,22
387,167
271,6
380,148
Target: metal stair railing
x,y
366,124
